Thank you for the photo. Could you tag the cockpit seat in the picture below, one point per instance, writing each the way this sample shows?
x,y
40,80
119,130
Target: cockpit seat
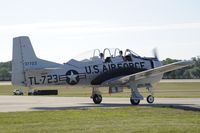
x,y
128,58
108,60
117,59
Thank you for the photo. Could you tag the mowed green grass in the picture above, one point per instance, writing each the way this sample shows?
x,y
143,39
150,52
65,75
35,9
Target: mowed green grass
x,y
133,119
118,120
163,90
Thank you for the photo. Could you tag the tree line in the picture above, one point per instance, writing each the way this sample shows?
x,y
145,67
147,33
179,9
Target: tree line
x,y
192,72
5,70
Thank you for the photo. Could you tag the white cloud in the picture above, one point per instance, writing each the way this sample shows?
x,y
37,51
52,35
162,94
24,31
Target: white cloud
x,y
88,27
93,34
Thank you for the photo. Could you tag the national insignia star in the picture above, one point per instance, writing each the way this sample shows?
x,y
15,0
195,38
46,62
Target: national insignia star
x,y
72,77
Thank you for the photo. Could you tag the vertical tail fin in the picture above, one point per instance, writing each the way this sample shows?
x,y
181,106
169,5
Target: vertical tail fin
x,y
25,48
24,58
22,52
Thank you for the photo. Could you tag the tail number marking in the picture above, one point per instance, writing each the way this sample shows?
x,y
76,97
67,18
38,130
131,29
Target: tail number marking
x,y
32,63
49,79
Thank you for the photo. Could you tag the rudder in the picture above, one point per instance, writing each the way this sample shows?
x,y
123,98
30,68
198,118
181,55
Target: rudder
x,y
22,53
24,58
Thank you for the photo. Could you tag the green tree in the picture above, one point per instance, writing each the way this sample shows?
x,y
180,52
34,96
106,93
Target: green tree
x,y
4,72
172,74
184,73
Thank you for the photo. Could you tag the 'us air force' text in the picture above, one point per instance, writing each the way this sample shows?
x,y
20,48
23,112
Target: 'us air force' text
x,y
109,67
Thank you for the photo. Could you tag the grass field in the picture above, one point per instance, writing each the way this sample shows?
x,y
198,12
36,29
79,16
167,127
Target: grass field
x,y
140,119
164,90
126,120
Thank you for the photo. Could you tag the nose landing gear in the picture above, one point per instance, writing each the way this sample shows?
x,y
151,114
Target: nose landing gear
x,y
150,99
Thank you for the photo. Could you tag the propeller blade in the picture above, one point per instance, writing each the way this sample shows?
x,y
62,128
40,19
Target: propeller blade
x,y
155,53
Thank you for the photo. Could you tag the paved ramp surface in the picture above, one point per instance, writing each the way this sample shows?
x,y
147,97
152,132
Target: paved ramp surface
x,y
5,82
37,103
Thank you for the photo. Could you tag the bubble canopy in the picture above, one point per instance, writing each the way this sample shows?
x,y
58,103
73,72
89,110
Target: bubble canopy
x,y
107,52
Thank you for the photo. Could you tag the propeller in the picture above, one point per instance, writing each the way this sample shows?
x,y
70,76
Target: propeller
x,y
155,53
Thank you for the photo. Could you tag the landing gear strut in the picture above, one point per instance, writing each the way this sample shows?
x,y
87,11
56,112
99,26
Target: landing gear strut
x,y
96,96
135,95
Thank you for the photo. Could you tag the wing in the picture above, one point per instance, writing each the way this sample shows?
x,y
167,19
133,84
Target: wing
x,y
148,73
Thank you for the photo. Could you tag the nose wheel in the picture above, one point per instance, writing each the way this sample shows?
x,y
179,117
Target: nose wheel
x,y
150,99
97,98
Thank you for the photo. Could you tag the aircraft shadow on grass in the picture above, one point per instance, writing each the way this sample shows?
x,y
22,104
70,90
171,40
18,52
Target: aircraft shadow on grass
x,y
189,107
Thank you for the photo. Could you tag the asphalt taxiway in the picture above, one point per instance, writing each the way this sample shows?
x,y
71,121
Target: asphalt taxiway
x,y
162,81
37,103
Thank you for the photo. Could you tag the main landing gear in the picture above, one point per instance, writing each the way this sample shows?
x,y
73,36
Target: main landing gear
x,y
136,96
134,101
96,96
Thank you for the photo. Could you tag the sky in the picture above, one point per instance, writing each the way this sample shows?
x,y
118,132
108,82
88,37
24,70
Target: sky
x,y
62,29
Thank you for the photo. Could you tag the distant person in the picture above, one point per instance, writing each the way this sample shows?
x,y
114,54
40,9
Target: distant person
x,y
121,53
101,56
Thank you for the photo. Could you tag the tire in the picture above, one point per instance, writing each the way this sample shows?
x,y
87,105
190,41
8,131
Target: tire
x,y
134,101
97,98
150,99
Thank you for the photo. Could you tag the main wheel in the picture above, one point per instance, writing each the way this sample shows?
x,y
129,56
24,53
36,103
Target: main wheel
x,y
134,101
97,98
150,99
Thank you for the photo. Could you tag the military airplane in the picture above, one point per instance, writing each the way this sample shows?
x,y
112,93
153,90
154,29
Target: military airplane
x,y
116,71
